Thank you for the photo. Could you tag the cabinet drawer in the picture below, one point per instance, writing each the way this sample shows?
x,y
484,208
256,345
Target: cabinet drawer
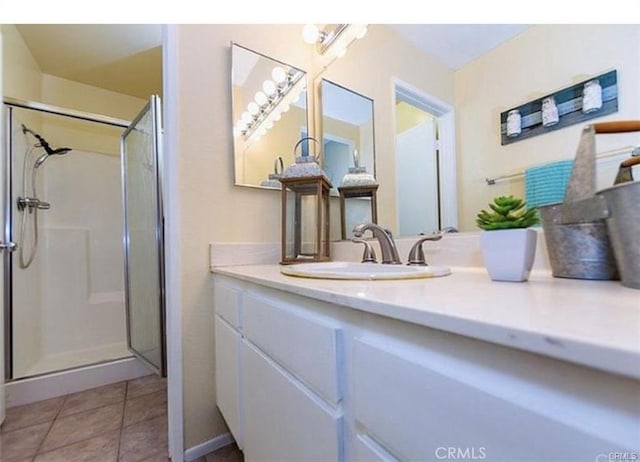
x,y
411,406
228,376
226,301
284,421
305,345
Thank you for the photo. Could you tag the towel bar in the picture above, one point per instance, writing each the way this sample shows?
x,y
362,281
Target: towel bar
x,y
634,151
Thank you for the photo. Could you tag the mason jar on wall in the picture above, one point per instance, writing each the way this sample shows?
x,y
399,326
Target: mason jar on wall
x,y
591,96
514,123
549,112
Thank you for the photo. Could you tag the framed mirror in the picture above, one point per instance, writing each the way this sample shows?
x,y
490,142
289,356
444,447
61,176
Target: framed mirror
x,y
347,132
269,115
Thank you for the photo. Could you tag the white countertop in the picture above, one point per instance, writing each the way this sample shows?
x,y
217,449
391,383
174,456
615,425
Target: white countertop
x,y
594,323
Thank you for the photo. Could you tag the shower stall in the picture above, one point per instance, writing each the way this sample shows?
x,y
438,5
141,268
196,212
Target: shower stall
x,y
79,186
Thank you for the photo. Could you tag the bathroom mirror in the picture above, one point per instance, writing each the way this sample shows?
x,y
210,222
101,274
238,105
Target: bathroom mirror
x,y
347,132
269,115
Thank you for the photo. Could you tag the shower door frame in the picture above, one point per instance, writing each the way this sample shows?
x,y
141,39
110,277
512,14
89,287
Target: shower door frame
x,y
9,105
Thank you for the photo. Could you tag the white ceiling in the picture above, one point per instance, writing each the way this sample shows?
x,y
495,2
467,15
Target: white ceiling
x,y
457,44
127,58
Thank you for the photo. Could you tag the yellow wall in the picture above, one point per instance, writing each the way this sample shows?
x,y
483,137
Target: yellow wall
x,y
408,116
212,208
539,61
22,77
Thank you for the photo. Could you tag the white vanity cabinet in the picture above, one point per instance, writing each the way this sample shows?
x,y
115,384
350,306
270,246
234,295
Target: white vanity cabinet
x,y
288,395
423,404
322,382
228,342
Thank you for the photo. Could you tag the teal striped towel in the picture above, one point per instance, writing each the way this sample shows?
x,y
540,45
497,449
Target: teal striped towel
x,y
546,184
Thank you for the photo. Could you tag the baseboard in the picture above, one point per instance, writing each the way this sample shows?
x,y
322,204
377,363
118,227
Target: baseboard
x,y
207,447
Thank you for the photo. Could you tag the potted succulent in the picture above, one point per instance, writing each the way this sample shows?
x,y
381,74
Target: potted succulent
x,y
508,244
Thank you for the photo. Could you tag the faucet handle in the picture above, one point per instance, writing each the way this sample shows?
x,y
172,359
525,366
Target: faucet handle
x,y
416,254
369,255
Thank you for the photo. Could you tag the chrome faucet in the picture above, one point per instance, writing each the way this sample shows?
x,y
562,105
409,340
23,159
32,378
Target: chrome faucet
x,y
385,239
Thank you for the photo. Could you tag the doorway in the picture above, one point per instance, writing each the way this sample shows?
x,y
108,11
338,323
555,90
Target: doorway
x,y
425,162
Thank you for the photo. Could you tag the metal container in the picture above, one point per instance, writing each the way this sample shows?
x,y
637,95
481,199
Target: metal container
x,y
623,223
578,250
579,231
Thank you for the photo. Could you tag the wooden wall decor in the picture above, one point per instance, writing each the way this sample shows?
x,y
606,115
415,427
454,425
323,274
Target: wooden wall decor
x,y
569,102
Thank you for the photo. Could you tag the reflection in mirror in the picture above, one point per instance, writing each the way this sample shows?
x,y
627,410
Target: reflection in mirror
x,y
269,110
419,128
347,132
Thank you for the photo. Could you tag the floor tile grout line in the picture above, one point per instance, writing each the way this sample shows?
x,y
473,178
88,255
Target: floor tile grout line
x,y
50,427
43,439
75,442
124,408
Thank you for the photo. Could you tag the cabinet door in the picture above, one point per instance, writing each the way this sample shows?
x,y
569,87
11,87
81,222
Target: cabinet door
x,y
228,378
421,406
284,421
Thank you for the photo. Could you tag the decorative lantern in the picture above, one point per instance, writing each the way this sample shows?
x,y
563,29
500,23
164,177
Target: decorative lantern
x,y
274,178
305,211
357,184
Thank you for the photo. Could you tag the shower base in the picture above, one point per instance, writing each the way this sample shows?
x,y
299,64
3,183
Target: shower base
x,y
72,359
32,389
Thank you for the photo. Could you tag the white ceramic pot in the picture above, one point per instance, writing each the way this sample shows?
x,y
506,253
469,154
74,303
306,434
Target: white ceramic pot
x,y
509,253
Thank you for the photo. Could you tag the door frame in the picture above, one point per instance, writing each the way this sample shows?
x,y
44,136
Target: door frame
x,y
173,283
445,122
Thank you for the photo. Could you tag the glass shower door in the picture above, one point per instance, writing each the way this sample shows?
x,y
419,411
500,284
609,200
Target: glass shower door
x,y
143,237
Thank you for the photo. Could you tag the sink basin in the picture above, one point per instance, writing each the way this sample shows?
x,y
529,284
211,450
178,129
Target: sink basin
x,y
360,271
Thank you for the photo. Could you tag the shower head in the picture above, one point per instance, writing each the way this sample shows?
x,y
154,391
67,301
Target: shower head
x,y
49,151
44,144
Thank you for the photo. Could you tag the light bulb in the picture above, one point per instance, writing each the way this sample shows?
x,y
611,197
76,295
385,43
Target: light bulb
x,y
253,108
310,33
269,87
246,117
261,98
285,107
361,30
236,132
279,74
277,116
261,131
241,124
268,125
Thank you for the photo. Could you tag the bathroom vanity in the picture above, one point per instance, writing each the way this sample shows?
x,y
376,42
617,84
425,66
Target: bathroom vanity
x,y
456,368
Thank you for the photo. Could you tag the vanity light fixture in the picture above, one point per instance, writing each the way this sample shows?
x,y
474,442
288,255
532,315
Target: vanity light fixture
x,y
268,105
334,37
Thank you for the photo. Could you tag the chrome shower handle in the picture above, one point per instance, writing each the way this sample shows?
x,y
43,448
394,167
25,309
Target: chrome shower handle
x,y
32,203
416,254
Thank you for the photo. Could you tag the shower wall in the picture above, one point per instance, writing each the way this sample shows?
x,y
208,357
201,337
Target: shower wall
x,y
82,253
27,343
69,304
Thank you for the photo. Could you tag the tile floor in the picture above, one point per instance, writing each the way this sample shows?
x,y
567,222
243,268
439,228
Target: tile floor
x,y
125,422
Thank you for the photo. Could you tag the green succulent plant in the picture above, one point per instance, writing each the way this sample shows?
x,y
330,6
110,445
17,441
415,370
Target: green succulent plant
x,y
508,212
